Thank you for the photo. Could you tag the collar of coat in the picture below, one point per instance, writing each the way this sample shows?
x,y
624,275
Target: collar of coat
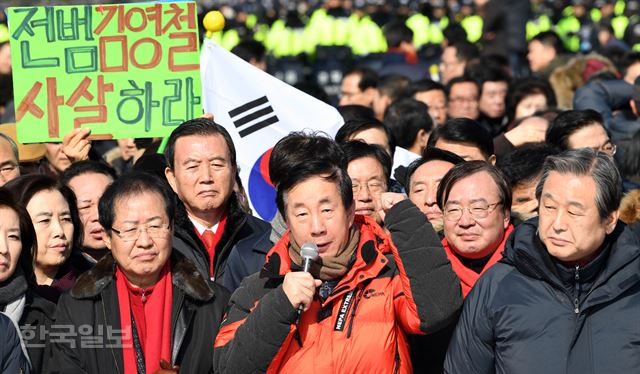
x,y
370,256
185,276
527,253
236,217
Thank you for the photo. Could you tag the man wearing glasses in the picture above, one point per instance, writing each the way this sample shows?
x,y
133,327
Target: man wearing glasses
x,y
156,308
565,297
369,168
463,94
475,199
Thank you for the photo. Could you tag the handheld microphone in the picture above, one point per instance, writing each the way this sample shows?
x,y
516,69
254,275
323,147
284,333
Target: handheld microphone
x,y
309,253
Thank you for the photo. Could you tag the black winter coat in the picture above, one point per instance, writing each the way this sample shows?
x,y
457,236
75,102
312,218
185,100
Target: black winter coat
x,y
92,304
240,252
12,359
37,318
523,317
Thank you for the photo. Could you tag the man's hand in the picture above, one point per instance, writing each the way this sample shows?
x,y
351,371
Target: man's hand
x,y
299,286
386,201
531,130
76,145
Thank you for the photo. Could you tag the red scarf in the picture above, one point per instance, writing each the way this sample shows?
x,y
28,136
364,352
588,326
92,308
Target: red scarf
x,y
152,317
468,277
211,246
410,57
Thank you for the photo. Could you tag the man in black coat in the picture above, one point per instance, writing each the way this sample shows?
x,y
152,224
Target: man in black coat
x,y
143,307
212,230
565,297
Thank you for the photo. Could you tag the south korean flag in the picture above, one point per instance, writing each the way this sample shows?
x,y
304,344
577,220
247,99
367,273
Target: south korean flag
x,y
258,110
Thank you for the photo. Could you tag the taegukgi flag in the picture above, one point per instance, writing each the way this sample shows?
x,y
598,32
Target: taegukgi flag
x,y
258,110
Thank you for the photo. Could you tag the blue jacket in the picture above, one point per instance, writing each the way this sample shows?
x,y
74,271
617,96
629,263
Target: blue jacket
x,y
529,314
12,359
606,97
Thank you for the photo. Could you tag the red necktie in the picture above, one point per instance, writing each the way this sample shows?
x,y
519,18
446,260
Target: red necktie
x,y
207,237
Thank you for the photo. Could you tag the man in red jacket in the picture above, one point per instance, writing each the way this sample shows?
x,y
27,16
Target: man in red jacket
x,y
475,199
365,292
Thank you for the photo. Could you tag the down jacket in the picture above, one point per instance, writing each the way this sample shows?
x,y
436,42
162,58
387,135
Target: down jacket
x,y
530,314
361,326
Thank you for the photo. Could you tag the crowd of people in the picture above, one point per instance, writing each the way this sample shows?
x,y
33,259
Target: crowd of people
x,y
509,244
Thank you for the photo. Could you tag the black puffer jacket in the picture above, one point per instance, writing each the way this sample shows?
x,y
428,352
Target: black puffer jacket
x,y
523,317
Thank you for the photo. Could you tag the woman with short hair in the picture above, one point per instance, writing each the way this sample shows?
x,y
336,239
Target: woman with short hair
x,y
18,299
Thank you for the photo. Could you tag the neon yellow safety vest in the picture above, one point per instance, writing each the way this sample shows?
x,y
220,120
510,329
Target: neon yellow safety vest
x,y
618,9
291,43
473,26
567,29
217,37
538,25
275,35
286,41
341,27
419,24
230,39
435,30
251,21
327,30
367,38
314,26
619,25
261,32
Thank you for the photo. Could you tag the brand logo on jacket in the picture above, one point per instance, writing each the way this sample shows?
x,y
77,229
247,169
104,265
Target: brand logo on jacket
x,y
372,293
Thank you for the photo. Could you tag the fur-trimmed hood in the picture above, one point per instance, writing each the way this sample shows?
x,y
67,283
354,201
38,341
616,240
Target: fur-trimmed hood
x,y
630,207
566,79
184,275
